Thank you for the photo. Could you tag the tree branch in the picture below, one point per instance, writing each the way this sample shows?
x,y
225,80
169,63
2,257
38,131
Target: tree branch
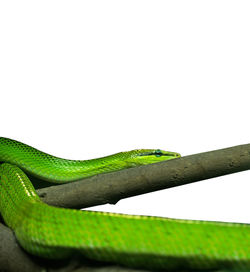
x,y
110,188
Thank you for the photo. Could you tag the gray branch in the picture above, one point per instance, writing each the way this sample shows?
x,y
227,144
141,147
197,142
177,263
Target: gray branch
x,y
110,188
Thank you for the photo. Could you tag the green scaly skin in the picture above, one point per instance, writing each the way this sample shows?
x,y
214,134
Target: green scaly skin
x,y
136,241
57,170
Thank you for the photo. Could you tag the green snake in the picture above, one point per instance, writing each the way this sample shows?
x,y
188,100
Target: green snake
x,y
135,241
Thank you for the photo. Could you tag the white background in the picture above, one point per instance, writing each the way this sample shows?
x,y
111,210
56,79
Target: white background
x,y
83,79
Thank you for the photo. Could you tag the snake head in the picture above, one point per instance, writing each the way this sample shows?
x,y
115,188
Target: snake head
x,y
148,156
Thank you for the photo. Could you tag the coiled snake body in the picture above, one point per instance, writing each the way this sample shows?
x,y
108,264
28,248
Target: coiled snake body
x,y
136,241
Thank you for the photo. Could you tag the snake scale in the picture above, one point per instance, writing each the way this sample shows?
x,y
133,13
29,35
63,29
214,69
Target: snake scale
x,y
135,241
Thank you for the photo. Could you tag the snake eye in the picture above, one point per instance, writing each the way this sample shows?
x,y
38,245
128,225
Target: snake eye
x,y
158,153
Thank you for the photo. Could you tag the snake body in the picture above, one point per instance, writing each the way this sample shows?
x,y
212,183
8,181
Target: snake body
x,y
135,241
